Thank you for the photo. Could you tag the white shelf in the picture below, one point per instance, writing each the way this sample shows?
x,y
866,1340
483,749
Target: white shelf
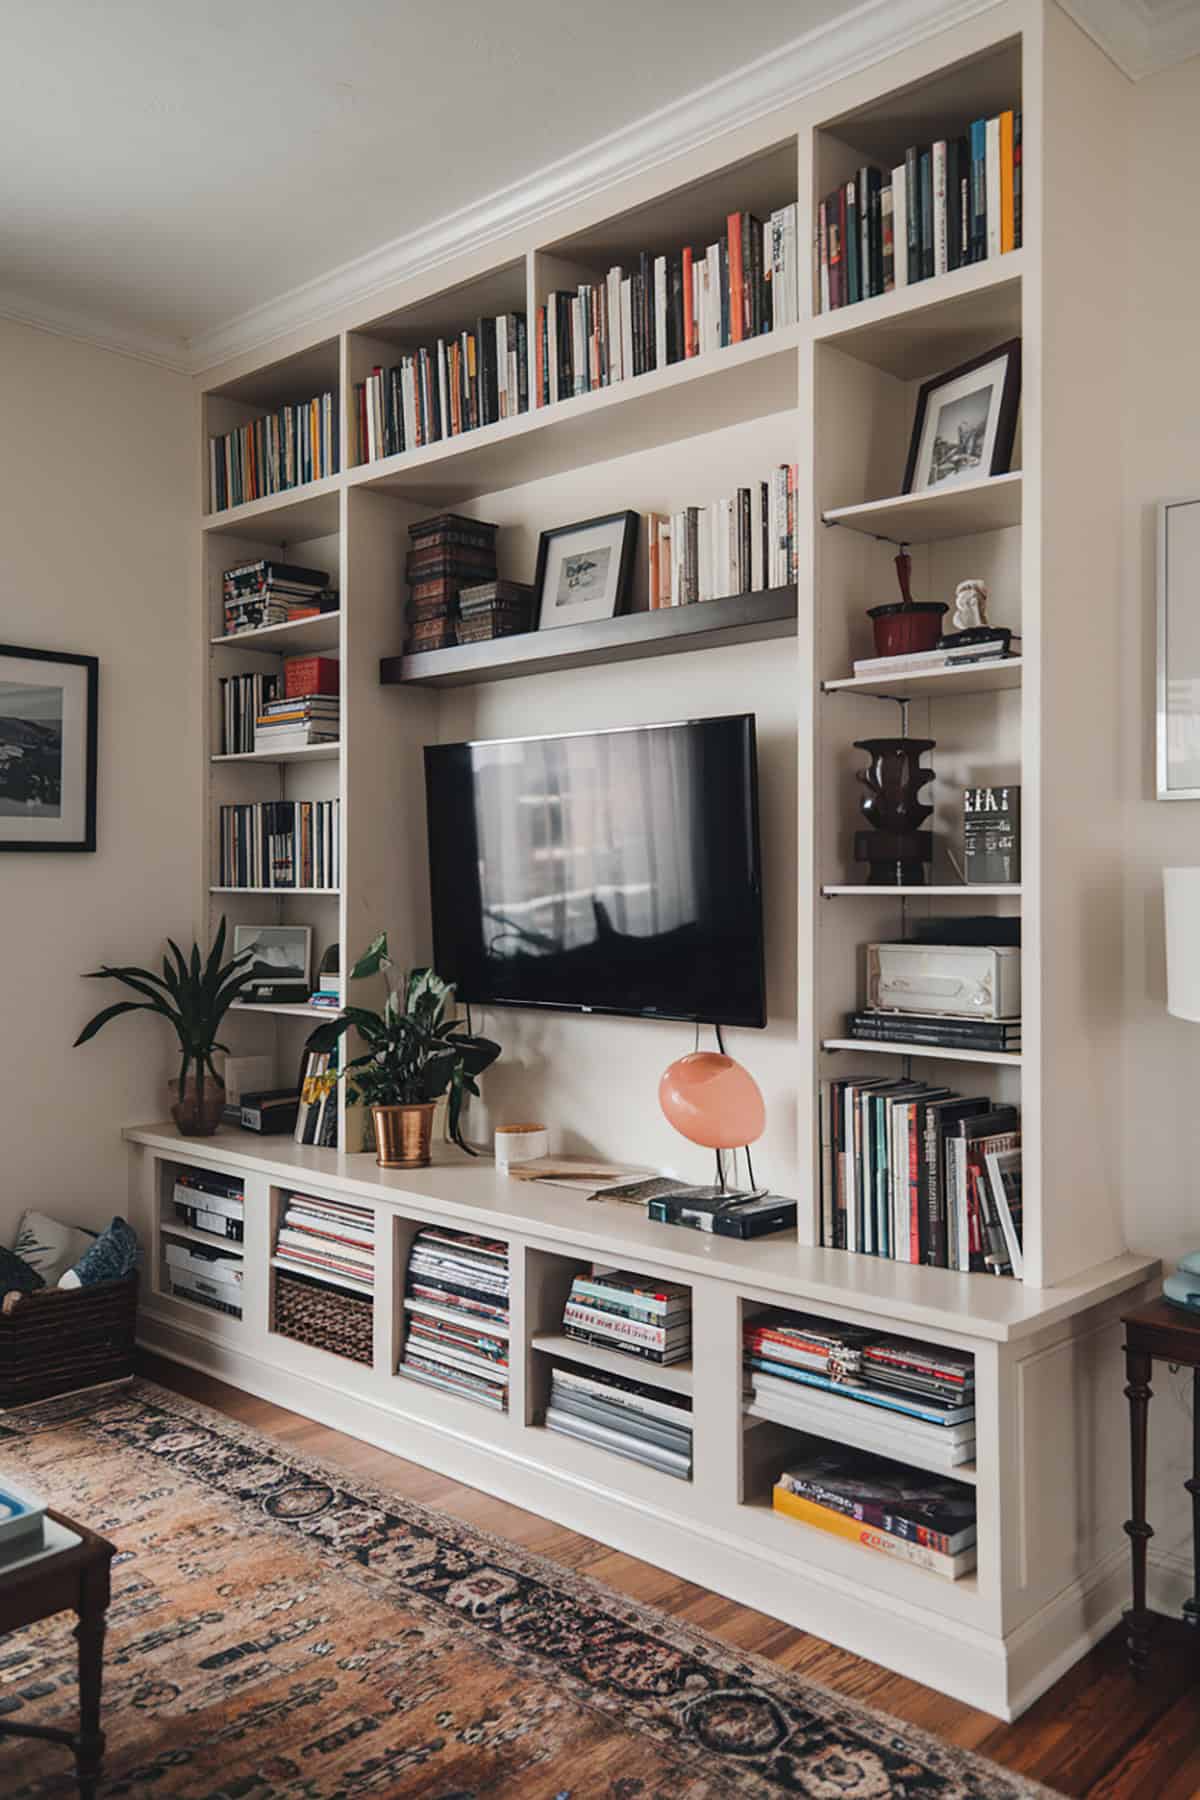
x,y
956,510
300,635
231,1246
797,1540
676,1376
939,1052
302,753
276,893
295,517
926,326
763,1412
366,1290
971,678
296,1009
950,890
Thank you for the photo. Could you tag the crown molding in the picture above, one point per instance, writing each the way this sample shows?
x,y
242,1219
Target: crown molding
x,y
1142,37
166,353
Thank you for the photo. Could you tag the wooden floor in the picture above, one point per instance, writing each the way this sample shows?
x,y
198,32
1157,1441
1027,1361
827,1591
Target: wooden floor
x,y
1095,1733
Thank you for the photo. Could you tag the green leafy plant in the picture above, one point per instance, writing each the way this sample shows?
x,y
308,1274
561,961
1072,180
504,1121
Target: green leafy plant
x,y
414,1052
193,993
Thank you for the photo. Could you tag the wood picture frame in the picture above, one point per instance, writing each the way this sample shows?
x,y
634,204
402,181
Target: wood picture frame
x,y
584,571
48,749
982,414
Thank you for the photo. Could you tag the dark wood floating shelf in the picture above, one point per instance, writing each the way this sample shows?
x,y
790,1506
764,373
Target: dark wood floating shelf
x,y
707,625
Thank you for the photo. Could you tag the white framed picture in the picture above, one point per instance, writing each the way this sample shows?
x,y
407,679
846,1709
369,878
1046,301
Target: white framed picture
x,y
966,422
1177,703
280,953
584,570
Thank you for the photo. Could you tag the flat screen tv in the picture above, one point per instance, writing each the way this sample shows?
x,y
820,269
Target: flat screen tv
x,y
604,871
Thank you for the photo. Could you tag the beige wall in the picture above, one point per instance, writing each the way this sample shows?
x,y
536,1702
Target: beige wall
x,y
95,470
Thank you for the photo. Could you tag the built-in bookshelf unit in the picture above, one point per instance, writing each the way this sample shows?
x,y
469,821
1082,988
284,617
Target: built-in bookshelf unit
x,y
834,395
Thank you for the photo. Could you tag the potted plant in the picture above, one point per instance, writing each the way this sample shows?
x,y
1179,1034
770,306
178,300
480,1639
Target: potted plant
x,y
414,1054
194,993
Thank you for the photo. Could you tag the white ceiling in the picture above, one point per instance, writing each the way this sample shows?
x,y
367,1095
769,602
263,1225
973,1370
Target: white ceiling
x,y
174,167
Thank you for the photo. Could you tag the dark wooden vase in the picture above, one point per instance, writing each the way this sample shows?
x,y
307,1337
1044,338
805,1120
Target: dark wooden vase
x,y
896,850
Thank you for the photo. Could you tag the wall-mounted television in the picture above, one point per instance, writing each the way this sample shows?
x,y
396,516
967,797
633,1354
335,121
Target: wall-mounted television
x,y
602,871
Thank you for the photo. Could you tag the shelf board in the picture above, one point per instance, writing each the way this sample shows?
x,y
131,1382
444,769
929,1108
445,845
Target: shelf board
x,y
294,517
949,890
926,326
763,1412
676,1376
320,633
276,893
295,1010
939,1052
230,1245
744,381
366,1289
956,510
707,625
301,753
970,678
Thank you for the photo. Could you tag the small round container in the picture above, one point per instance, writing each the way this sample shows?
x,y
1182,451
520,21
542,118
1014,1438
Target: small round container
x,y
520,1144
903,628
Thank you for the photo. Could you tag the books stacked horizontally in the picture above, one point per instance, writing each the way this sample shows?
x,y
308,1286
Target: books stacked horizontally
x,y
330,1240
630,1418
671,307
493,609
903,1513
887,1394
925,662
328,992
317,1113
280,844
456,1299
212,1203
950,203
297,723
447,554
261,593
450,387
905,1174
22,1523
616,1310
243,697
280,450
738,545
1003,1035
206,1277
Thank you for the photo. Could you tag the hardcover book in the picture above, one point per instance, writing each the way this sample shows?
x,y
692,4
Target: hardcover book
x,y
991,834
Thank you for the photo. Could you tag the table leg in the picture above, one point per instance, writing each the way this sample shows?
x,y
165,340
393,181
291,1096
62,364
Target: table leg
x,y
89,1756
1137,1619
1191,1608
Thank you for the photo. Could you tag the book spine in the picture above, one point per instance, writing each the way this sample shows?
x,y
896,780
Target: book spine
x,y
927,219
733,239
941,222
859,1532
992,180
1007,225
912,185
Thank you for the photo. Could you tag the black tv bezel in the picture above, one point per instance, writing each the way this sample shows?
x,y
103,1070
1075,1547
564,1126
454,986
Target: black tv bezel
x,y
741,1021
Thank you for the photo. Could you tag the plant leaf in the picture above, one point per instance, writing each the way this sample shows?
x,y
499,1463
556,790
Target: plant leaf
x,y
372,960
114,1012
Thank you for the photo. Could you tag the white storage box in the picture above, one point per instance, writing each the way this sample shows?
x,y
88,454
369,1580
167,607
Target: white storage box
x,y
961,981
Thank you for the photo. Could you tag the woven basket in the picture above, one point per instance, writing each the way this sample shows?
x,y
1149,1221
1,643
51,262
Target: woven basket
x,y
60,1339
327,1318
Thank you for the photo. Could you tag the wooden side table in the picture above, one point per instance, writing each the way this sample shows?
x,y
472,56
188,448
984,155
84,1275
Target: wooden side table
x,y
1167,1334
73,1578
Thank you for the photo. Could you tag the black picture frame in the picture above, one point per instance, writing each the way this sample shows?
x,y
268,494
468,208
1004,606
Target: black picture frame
x,y
85,838
1006,421
629,522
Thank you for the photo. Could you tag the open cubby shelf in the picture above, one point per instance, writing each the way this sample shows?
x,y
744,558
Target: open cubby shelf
x,y
676,1376
959,509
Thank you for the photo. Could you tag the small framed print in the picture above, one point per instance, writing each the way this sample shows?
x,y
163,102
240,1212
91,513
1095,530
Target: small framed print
x,y
281,954
1177,706
584,570
966,422
47,749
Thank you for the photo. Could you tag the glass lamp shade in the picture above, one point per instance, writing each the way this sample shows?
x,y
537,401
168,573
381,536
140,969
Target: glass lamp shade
x,y
1181,899
713,1101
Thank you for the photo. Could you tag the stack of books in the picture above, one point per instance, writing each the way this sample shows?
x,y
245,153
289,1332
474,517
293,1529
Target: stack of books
x,y
328,992
453,386
317,1112
243,698
615,1310
22,1524
946,1029
815,1375
903,1513
924,662
630,1418
738,545
493,609
905,1174
211,1278
456,1301
687,303
950,203
278,451
264,592
447,554
208,1202
332,1240
297,723
280,844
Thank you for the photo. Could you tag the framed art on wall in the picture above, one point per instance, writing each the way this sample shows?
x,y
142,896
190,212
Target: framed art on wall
x,y
47,749
966,421
1177,702
584,570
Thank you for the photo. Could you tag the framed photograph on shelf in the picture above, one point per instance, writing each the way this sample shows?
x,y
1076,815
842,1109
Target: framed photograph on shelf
x,y
48,702
584,571
966,421
1177,702
280,966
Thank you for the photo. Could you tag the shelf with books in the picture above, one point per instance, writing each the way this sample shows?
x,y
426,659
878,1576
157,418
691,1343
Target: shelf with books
x,y
934,684
938,1052
282,893
791,1539
951,511
167,1229
675,1376
453,1326
283,1010
950,890
295,516
273,431
298,637
917,331
326,1279
300,753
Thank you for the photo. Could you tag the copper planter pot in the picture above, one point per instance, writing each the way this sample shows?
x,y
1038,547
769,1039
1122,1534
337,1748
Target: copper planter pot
x,y
197,1111
404,1135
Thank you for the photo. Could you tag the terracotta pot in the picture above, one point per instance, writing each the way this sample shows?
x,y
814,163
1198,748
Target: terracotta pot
x,y
197,1112
404,1135
901,630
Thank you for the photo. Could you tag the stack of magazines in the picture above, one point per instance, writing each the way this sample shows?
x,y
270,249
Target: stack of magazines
x,y
903,1513
332,1240
456,1299
631,1418
619,1311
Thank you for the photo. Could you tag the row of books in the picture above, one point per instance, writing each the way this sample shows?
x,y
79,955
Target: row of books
x,y
453,386
950,203
925,662
925,1520
280,844
297,723
877,1392
920,1174
456,1304
317,1105
264,592
243,698
630,1418
328,1239
740,544
280,450
616,1310
210,1203
671,307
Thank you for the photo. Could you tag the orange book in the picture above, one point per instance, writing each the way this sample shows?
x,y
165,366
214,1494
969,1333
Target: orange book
x,y
837,1524
737,300
1008,235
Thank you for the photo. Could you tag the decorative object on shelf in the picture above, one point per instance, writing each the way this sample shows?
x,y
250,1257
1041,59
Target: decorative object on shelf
x,y
446,554
414,1055
905,627
1177,702
493,609
971,627
896,849
966,421
48,720
193,994
991,835
961,981
583,570
279,962
520,1144
712,1100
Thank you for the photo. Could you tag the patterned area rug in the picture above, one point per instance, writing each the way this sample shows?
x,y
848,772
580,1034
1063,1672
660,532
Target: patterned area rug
x,y
282,1629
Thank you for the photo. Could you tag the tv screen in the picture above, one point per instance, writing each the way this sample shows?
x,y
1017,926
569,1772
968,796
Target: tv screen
x,y
605,871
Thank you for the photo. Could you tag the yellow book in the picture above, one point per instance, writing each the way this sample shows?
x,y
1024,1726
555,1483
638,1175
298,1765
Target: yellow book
x,y
841,1525
1008,233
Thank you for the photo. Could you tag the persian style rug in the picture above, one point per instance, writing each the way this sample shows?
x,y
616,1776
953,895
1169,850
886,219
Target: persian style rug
x,y
280,1628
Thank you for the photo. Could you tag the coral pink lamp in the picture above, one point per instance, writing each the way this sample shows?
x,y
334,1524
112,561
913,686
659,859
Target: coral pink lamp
x,y
714,1101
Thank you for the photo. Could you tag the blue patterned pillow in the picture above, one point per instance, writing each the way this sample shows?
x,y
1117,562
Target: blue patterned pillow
x,y
114,1254
15,1273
